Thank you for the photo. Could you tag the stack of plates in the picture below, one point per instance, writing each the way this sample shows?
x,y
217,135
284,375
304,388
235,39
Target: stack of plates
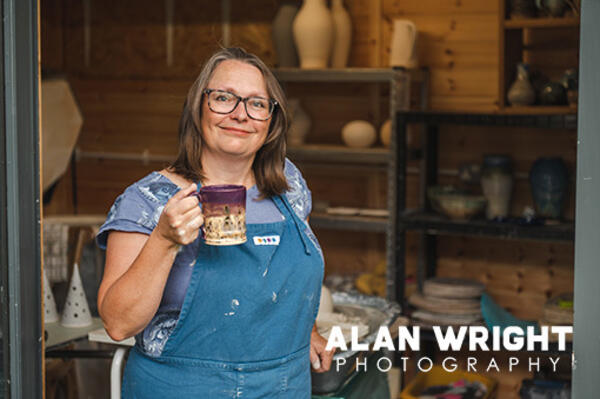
x,y
558,311
448,302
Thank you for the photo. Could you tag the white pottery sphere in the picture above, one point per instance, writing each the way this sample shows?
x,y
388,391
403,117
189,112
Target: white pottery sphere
x,y
359,134
326,302
385,133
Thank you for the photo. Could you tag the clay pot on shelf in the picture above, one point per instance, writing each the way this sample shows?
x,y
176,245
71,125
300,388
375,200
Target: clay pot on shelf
x,y
313,34
549,178
553,8
283,35
343,34
300,125
553,93
521,91
570,81
522,9
497,185
359,134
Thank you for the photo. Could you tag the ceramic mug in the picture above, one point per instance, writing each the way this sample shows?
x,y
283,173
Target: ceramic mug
x,y
224,211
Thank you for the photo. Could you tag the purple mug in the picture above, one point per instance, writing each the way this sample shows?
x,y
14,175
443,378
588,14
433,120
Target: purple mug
x,y
224,210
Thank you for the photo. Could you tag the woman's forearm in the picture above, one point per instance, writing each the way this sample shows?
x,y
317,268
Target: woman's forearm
x,y
130,302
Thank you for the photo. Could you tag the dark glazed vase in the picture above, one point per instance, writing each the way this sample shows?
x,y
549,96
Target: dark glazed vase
x,y
549,178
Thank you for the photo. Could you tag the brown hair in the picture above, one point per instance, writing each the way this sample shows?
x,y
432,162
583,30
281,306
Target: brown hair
x,y
270,158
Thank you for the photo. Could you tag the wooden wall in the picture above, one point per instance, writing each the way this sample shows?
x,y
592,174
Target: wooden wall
x,y
115,54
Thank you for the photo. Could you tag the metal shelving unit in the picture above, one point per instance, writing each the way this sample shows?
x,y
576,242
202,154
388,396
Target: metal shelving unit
x,y
400,81
430,224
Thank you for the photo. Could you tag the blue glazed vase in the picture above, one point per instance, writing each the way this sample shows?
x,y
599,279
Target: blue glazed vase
x,y
549,179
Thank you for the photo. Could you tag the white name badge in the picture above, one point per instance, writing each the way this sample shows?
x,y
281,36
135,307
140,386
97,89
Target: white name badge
x,y
266,240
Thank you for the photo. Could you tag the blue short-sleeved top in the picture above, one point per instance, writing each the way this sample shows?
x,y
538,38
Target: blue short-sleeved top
x,y
138,210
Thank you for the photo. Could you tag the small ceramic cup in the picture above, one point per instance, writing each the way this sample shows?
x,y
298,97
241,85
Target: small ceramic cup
x,y
224,210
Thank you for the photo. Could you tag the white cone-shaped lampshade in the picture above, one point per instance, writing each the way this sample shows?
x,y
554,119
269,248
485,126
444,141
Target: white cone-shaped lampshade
x,y
50,313
76,312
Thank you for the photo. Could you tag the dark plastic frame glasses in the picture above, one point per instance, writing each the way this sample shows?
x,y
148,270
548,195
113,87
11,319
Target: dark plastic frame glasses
x,y
222,106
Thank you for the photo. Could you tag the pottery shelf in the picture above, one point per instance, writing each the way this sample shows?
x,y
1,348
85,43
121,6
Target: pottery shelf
x,y
532,23
429,224
536,42
349,223
435,224
382,75
339,154
377,160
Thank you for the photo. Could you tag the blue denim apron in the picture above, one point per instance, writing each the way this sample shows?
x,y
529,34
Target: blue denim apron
x,y
245,323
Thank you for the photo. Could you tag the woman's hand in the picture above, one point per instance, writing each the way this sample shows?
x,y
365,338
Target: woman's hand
x,y
181,218
320,359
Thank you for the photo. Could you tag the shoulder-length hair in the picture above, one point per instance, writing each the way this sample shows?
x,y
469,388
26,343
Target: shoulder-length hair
x,y
269,162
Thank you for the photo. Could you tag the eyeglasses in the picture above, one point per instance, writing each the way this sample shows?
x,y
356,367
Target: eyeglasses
x,y
224,102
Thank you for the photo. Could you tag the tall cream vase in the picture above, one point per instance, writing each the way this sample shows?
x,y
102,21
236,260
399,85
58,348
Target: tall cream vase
x,y
314,34
343,34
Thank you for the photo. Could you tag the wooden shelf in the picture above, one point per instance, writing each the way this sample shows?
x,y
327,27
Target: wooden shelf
x,y
349,223
339,154
536,118
541,23
436,224
539,110
383,75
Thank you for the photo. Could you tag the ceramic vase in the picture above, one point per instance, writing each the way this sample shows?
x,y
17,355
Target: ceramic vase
x,y
342,36
521,91
283,35
553,93
313,34
549,178
300,125
554,8
403,47
497,185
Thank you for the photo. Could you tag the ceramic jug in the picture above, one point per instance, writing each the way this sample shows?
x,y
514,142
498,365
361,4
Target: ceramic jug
x,y
404,44
521,91
313,34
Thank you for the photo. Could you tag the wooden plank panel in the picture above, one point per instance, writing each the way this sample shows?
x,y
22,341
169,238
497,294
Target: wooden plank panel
x,y
463,103
251,28
127,43
474,28
428,7
51,35
197,34
458,55
129,116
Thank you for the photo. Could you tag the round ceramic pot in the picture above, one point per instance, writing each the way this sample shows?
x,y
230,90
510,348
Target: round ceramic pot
x,y
549,178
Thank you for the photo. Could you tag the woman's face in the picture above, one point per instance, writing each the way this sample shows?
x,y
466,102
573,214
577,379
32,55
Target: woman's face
x,y
234,134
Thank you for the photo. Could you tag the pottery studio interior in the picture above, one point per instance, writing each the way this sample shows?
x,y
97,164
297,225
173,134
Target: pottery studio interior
x,y
431,177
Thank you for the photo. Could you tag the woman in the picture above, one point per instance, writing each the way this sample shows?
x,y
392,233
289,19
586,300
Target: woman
x,y
217,322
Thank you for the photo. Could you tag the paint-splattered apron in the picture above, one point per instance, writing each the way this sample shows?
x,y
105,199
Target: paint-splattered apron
x,y
244,328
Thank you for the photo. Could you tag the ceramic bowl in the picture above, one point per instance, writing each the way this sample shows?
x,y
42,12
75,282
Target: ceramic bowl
x,y
461,206
433,192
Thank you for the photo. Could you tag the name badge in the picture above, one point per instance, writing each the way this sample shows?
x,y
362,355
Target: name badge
x,y
266,240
